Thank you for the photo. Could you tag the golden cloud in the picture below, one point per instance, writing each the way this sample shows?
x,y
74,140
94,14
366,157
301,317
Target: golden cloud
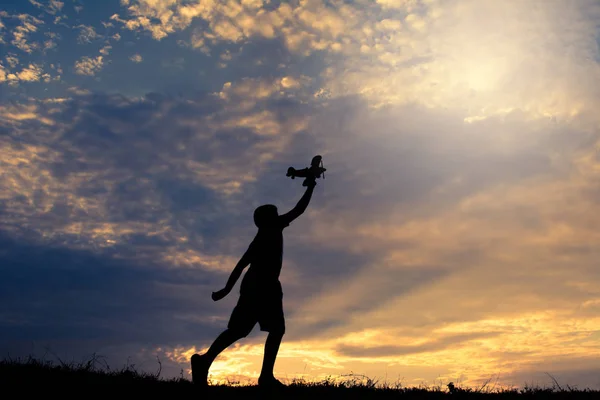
x,y
472,353
89,66
434,53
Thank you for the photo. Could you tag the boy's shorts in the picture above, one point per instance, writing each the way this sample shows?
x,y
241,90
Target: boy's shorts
x,y
266,308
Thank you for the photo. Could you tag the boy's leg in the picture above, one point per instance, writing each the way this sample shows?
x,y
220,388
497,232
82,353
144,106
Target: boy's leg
x,y
223,341
240,324
201,363
271,350
271,320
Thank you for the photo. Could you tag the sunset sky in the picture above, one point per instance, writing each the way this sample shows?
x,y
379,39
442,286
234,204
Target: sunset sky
x,y
456,236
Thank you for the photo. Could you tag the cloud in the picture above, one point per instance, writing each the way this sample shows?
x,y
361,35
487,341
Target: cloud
x,y
12,60
52,42
195,172
105,50
52,6
86,34
136,58
245,93
398,350
505,351
28,24
430,52
454,235
79,91
399,4
89,66
233,21
2,26
445,54
134,295
443,220
31,73
415,45
62,181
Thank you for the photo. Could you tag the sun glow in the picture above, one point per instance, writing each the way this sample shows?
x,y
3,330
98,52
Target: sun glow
x,y
487,348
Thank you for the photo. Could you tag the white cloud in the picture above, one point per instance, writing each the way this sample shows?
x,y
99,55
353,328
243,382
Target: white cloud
x,y
86,34
290,82
305,27
36,3
56,5
431,52
2,26
12,60
227,175
49,44
245,93
52,6
477,55
78,91
30,73
89,65
57,68
52,42
136,58
106,50
28,24
408,5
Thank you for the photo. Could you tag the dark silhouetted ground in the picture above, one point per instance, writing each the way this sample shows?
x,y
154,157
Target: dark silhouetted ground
x,y
23,378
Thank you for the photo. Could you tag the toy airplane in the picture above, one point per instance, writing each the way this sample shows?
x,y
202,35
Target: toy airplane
x,y
314,171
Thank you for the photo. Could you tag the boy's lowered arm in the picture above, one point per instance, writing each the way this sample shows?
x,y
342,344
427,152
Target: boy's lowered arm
x,y
235,275
301,206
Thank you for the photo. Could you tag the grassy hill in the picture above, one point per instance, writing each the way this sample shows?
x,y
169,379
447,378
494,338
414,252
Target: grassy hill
x,y
86,380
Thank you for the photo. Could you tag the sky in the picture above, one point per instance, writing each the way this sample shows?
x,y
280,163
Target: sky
x,y
455,236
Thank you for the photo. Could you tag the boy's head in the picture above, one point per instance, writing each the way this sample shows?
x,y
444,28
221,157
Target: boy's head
x,y
265,215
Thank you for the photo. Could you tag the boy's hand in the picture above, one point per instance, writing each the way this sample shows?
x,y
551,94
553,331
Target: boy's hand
x,y
218,295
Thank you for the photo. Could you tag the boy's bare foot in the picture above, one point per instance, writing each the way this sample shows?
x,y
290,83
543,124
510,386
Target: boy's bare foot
x,y
270,382
200,367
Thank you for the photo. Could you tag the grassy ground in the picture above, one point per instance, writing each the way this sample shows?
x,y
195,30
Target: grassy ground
x,y
88,380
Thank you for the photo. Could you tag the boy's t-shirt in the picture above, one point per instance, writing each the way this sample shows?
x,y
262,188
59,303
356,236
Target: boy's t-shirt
x,y
266,255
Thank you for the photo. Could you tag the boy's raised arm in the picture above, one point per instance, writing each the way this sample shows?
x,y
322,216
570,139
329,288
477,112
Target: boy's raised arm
x,y
302,204
235,275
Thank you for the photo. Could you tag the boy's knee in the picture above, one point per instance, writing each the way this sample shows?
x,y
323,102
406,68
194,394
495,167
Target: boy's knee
x,y
240,332
279,331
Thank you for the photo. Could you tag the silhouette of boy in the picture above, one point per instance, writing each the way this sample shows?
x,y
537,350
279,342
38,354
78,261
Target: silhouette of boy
x,y
261,295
